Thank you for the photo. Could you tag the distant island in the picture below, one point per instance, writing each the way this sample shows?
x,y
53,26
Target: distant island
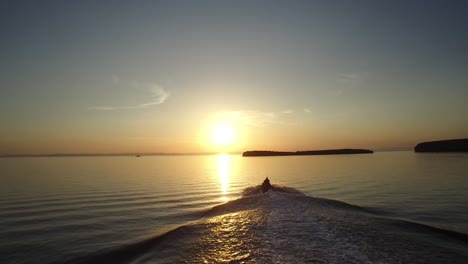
x,y
261,153
451,145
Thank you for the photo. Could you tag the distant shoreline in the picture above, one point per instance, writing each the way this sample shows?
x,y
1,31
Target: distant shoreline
x,y
267,153
141,154
449,145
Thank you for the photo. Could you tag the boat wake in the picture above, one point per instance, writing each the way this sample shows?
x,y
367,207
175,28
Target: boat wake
x,y
286,226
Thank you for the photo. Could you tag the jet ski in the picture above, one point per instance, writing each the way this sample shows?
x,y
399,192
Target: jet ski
x,y
266,185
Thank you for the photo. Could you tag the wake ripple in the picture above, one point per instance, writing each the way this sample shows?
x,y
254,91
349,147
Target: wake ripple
x,y
285,226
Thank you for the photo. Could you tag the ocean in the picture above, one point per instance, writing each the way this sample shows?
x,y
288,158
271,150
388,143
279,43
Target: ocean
x,y
386,207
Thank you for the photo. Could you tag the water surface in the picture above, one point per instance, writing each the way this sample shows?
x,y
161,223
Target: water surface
x,y
64,209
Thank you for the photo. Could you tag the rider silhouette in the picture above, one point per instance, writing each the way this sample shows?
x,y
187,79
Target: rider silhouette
x,y
266,185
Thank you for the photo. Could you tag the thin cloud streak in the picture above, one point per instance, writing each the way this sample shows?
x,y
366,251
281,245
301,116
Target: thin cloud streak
x,y
352,78
347,82
115,78
255,118
158,96
101,108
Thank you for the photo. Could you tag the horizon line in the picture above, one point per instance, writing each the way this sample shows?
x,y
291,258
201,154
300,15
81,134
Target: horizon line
x,y
149,153
116,154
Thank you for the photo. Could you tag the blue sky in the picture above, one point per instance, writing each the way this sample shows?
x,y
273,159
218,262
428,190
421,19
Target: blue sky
x,y
154,76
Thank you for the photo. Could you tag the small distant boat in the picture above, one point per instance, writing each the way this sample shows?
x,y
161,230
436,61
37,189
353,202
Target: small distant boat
x,y
137,156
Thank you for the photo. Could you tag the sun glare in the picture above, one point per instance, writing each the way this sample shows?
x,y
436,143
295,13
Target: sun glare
x,y
223,134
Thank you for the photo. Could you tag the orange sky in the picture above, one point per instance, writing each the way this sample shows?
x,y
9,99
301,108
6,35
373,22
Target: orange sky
x,y
153,78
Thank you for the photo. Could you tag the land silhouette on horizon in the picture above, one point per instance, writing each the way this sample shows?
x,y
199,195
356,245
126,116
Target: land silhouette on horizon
x,y
260,153
449,145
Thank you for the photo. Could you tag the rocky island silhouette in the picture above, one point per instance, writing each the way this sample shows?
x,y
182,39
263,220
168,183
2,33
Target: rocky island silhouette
x,y
450,145
261,153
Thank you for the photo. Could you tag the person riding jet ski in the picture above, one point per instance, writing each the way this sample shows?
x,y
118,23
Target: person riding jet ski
x,y
266,185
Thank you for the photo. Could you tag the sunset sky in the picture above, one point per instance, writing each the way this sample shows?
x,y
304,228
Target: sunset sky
x,y
164,76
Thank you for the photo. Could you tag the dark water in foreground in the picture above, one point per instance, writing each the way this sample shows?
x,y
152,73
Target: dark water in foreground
x,y
386,208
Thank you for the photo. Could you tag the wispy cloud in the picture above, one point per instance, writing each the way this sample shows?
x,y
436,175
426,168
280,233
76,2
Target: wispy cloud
x,y
336,93
348,81
307,110
157,95
115,79
134,83
101,108
255,118
352,78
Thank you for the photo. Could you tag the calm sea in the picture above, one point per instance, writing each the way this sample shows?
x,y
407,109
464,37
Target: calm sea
x,y
386,207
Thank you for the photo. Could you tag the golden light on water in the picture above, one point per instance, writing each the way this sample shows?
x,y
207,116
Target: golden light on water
x,y
223,173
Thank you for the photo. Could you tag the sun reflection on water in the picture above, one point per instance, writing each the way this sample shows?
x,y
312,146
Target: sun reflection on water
x,y
223,172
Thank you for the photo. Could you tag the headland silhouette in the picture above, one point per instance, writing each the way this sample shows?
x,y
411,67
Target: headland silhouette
x,y
259,153
450,145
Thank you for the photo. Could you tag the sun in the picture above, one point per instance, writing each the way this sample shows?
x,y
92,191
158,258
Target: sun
x,y
223,134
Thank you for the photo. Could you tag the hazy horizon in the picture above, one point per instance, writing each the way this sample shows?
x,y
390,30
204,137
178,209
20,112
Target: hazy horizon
x,y
169,153
219,76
